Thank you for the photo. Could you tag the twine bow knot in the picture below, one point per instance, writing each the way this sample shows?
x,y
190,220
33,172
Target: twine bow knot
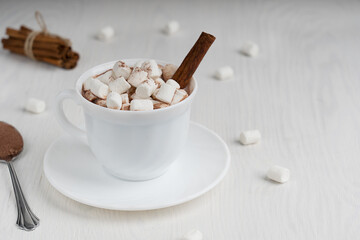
x,y
28,46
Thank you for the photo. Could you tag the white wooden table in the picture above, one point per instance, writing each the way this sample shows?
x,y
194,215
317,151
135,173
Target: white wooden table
x,y
302,92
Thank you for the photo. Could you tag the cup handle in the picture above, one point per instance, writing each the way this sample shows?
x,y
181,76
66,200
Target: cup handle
x,y
60,115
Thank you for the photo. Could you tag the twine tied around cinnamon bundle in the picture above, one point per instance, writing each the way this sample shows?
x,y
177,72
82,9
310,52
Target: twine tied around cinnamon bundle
x,y
41,45
28,46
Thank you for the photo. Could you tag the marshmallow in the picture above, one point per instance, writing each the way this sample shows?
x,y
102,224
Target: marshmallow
x,y
174,83
97,87
105,77
137,77
152,68
155,101
100,102
125,98
159,82
250,137
35,105
180,94
88,83
223,73
105,33
171,27
193,235
166,93
89,96
158,105
161,67
139,64
278,174
119,85
125,107
144,82
250,49
135,96
114,100
145,89
155,93
141,105
120,69
168,71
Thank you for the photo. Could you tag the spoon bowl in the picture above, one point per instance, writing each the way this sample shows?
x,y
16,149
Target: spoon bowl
x,y
11,146
13,159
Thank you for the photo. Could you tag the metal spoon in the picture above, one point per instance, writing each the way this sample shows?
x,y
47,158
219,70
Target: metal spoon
x,y
11,145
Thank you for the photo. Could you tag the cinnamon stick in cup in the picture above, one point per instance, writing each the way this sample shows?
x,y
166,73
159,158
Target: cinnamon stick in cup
x,y
193,59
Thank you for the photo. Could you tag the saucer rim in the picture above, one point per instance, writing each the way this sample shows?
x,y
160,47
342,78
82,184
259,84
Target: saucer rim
x,y
223,173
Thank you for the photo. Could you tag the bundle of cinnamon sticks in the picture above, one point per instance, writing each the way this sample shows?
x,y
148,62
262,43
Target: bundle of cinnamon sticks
x,y
46,47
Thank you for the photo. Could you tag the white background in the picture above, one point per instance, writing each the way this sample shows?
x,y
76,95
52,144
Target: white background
x,y
302,92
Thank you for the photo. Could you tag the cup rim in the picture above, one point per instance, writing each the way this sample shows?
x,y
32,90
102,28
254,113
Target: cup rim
x,y
79,83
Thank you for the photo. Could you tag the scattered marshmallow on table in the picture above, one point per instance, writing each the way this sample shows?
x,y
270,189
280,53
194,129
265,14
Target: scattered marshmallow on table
x,y
168,71
278,174
141,105
105,77
171,27
35,105
193,235
145,89
114,100
120,69
137,77
250,137
166,93
97,87
105,33
224,73
119,85
250,49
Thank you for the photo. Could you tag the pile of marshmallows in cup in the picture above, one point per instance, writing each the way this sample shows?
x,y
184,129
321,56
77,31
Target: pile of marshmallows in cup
x,y
145,86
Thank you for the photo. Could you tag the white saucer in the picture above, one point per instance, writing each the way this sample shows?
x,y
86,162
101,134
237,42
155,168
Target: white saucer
x,y
72,169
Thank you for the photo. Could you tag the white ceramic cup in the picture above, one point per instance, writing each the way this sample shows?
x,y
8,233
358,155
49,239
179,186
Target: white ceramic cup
x,y
132,145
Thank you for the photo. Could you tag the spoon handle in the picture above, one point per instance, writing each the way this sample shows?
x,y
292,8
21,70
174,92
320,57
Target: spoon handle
x,y
26,220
